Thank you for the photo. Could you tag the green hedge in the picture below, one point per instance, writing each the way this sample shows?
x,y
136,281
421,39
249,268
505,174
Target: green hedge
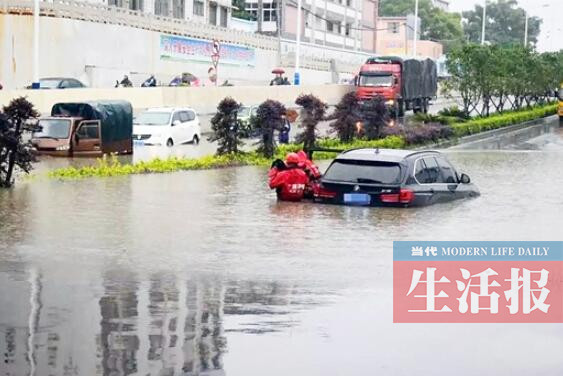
x,y
502,120
113,167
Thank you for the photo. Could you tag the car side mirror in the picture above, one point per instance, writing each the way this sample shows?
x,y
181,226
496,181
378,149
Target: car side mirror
x,y
76,138
176,122
396,81
464,179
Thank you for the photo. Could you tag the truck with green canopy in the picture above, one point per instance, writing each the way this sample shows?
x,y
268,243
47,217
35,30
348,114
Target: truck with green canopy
x,y
91,129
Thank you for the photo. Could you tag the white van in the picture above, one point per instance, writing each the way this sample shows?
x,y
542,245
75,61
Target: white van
x,y
166,126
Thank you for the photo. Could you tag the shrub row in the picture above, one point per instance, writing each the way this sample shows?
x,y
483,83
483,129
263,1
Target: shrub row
x,y
502,120
395,139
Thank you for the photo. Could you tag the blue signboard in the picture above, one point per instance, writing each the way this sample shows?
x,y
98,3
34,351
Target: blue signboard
x,y
188,49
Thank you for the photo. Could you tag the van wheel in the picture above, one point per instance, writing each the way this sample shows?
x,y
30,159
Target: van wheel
x,y
169,143
195,139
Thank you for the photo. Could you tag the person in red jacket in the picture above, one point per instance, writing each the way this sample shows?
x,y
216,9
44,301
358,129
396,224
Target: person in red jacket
x,y
288,179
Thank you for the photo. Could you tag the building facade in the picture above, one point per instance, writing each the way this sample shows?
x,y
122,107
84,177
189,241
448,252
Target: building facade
x,y
395,36
348,24
216,12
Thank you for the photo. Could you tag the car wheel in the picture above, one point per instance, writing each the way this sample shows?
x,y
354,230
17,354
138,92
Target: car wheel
x,y
195,139
169,143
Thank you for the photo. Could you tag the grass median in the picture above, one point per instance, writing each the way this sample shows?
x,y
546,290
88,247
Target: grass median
x,y
111,166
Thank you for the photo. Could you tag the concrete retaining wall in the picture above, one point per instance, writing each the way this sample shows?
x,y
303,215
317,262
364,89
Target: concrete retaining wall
x,y
203,99
513,135
99,54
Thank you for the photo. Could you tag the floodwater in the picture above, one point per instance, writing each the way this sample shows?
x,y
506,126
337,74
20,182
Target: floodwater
x,y
205,273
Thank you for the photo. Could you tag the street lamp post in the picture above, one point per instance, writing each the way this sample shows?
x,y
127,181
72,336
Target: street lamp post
x,y
415,28
35,83
296,78
483,23
526,28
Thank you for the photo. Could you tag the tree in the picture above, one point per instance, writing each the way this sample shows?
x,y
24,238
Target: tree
x,y
269,117
226,127
505,24
375,116
346,116
436,24
313,110
14,152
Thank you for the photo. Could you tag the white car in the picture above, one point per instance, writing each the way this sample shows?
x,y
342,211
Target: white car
x,y
166,126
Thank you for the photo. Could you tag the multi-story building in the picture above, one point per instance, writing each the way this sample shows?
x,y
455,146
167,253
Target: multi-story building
x,y
442,4
214,12
348,24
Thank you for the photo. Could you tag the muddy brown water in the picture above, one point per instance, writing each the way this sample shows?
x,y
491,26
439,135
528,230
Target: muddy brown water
x,y
203,272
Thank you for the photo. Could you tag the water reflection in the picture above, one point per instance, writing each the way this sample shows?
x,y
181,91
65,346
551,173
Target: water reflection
x,y
130,325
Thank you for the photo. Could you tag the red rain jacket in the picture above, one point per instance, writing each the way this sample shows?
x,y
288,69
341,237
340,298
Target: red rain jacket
x,y
289,184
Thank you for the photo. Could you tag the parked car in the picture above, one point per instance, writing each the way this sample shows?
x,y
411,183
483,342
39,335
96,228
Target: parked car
x,y
85,129
59,83
245,115
387,177
185,79
166,126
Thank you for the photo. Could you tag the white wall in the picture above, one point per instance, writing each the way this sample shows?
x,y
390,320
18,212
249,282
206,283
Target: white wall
x,y
73,48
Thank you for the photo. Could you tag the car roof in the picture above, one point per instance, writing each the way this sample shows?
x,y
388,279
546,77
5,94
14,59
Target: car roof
x,y
382,155
57,78
168,109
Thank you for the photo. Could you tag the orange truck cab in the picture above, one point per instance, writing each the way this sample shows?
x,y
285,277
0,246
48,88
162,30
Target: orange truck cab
x,y
560,107
88,129
403,84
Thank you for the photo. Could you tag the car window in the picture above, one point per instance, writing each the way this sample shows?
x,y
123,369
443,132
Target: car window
x,y
73,83
176,116
448,172
88,130
432,171
368,172
420,172
64,84
191,115
184,116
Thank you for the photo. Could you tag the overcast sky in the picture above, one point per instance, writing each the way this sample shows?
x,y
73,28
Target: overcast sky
x,y
551,11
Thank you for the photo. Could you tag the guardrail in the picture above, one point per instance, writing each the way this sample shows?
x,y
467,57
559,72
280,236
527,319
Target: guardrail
x,y
86,11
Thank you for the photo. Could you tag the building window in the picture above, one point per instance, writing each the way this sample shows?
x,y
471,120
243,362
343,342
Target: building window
x,y
334,27
161,7
115,3
224,16
178,8
213,14
348,29
198,8
269,12
136,5
393,27
348,3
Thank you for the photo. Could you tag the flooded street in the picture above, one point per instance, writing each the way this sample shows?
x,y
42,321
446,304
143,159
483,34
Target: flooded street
x,y
204,272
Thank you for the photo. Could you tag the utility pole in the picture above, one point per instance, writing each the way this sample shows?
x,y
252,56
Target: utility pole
x,y
415,28
260,15
526,28
296,78
484,21
35,83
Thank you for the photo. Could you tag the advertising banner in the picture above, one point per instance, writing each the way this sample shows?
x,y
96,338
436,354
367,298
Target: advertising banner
x,y
197,50
478,282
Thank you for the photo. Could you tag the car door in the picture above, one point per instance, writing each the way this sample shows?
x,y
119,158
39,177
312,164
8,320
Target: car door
x,y
186,129
176,128
449,180
193,124
427,191
87,138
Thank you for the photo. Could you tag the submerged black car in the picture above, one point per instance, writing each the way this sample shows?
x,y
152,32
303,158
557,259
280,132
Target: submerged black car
x,y
387,177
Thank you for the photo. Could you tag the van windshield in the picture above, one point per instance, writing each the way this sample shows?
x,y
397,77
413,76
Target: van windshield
x,y
152,118
376,80
368,172
53,128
